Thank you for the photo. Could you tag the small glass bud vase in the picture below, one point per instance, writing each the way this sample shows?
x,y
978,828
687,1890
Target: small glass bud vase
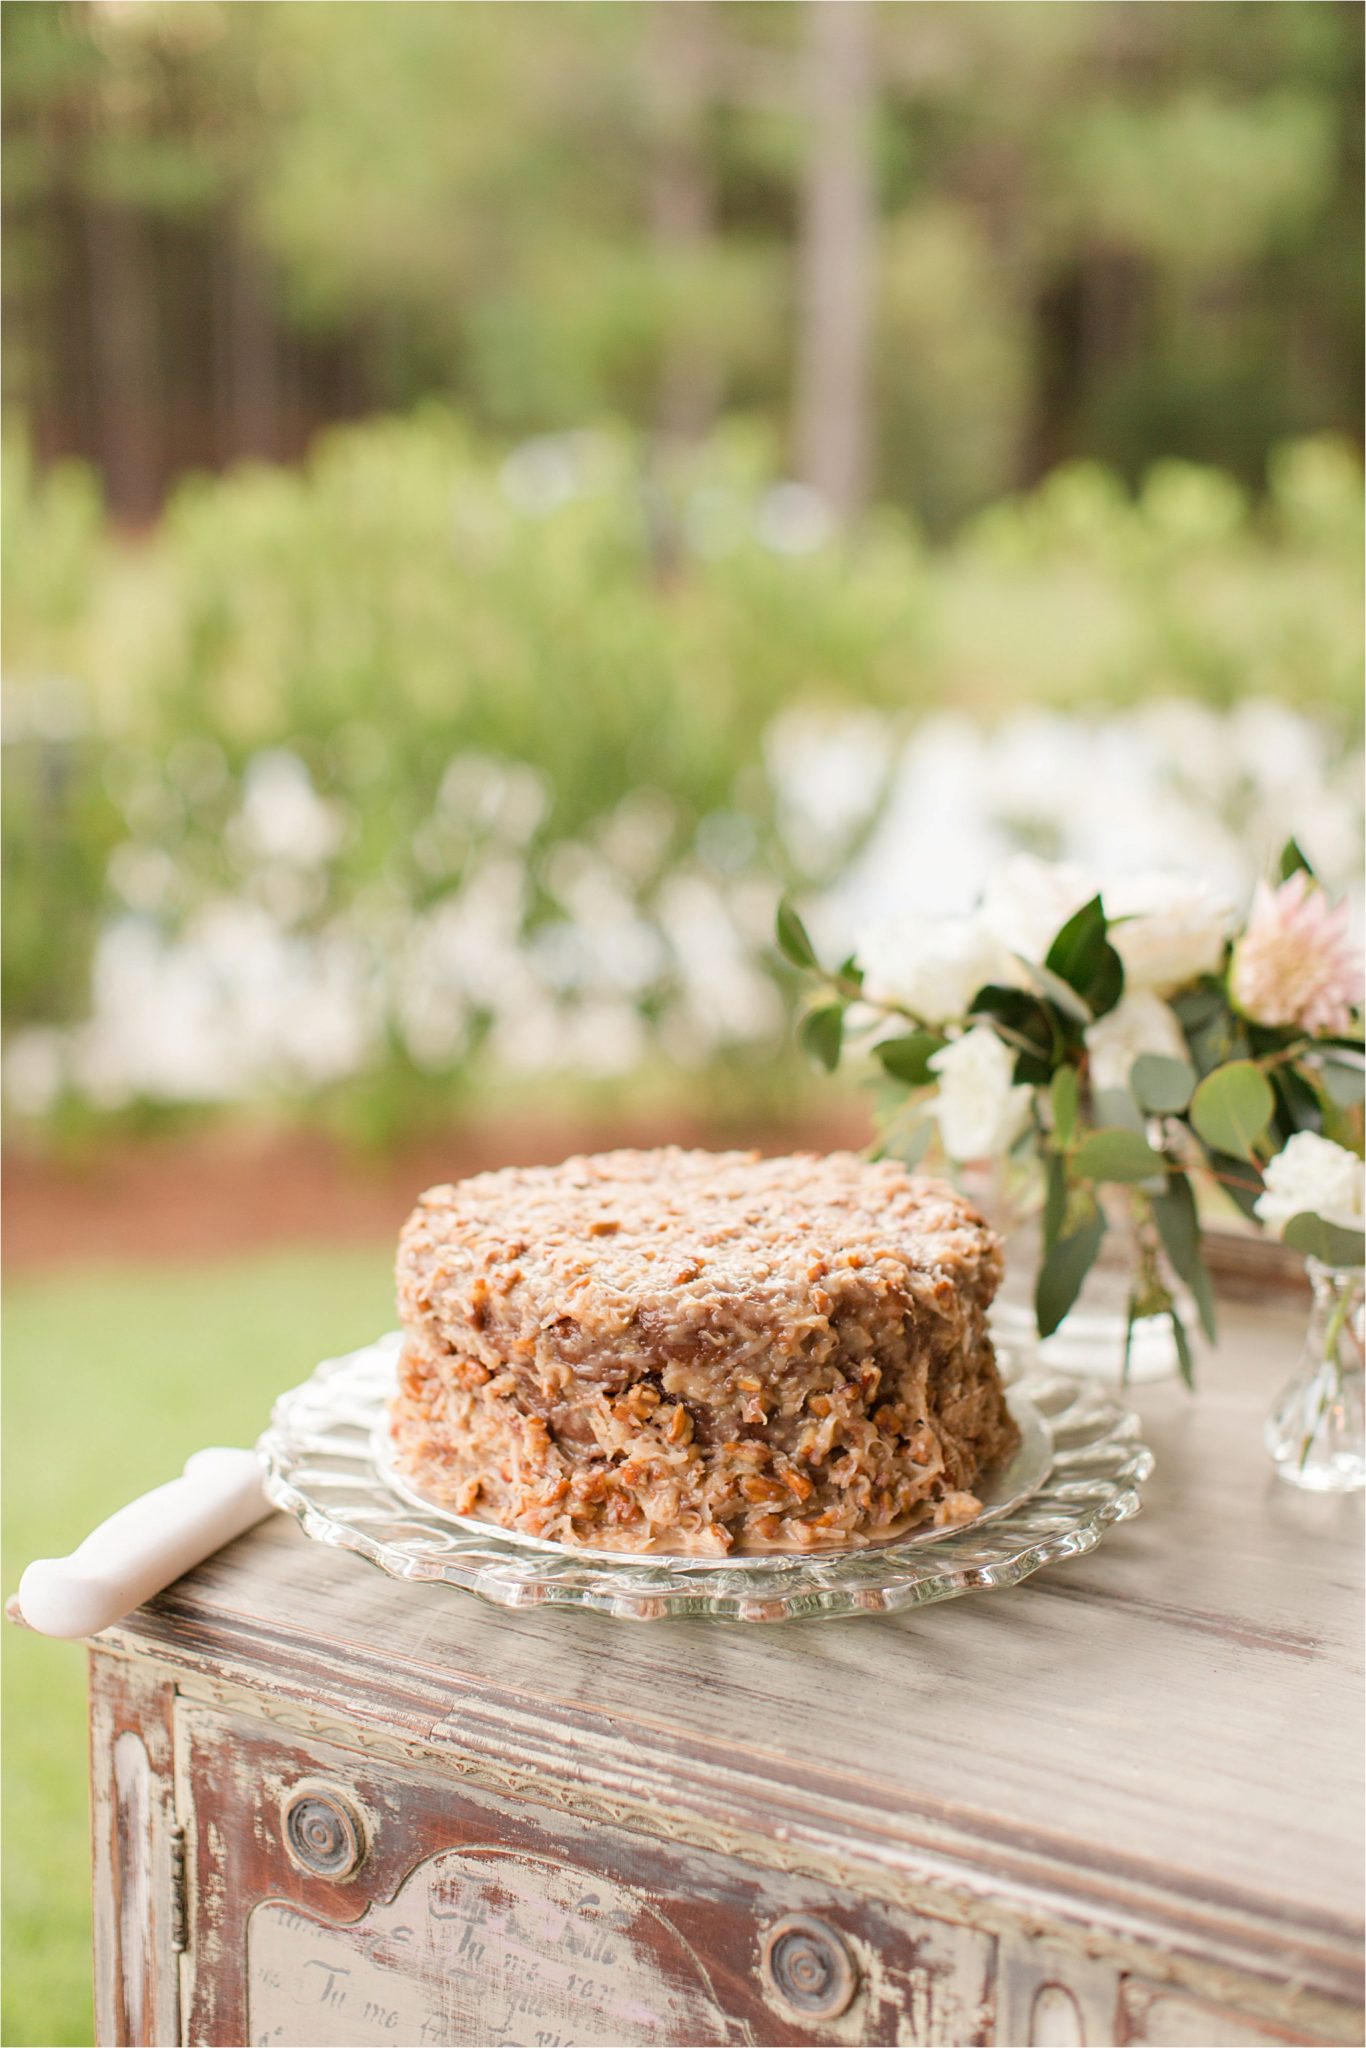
x,y
1314,1431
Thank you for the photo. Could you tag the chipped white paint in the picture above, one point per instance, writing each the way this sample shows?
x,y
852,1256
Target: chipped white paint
x,y
1161,2018
481,1946
133,1824
1055,2021
132,1799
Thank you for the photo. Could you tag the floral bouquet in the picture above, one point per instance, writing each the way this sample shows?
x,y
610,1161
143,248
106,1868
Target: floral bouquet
x,y
1107,1051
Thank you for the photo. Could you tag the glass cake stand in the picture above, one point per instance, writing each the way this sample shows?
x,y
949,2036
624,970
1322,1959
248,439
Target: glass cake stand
x,y
1079,1468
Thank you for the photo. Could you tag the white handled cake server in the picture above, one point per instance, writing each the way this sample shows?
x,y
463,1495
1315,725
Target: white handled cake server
x,y
145,1545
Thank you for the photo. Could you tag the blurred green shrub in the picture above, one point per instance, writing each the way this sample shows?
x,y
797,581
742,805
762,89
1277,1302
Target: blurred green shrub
x,y
420,676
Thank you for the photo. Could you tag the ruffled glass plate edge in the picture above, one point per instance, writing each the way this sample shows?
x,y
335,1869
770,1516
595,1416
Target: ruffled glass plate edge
x,y
319,1465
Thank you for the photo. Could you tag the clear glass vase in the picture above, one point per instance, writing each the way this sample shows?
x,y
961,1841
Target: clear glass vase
x,y
1092,1339
1314,1430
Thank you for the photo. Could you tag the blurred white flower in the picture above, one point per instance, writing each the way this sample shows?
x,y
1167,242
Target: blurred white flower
x,y
1140,1022
981,1109
1169,928
145,877
602,1038
282,816
1027,901
794,520
828,771
506,798
726,997
931,966
1313,1176
34,1069
542,474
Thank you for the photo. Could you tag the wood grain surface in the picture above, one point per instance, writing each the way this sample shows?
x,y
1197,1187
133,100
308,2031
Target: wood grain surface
x,y
1158,1744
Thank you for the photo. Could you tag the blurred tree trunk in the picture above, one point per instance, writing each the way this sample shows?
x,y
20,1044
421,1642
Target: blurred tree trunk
x,y
124,361
833,384
249,368
681,205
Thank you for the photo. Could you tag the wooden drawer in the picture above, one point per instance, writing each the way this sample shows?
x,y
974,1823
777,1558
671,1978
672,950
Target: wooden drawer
x,y
470,1920
338,1897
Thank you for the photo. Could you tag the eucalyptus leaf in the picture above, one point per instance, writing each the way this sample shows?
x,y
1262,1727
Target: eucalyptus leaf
x,y
1232,1108
1063,1271
794,941
1240,1180
1342,1126
1178,1225
1299,1106
1211,1030
1197,1008
1065,1094
1117,1106
821,1034
1343,1083
1163,1086
908,1059
1116,1155
1183,1348
1328,1242
1055,1199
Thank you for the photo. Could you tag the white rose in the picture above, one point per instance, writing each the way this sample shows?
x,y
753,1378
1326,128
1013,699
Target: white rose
x,y
931,966
1314,1176
981,1109
1140,1022
1167,929
1028,901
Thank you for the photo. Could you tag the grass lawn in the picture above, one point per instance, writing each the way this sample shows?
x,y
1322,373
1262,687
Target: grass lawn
x,y
112,1377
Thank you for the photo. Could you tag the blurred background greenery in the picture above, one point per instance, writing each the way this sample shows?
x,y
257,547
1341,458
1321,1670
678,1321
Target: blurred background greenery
x,y
492,494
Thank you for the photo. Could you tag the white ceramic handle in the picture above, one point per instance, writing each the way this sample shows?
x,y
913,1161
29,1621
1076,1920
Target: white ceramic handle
x,y
144,1546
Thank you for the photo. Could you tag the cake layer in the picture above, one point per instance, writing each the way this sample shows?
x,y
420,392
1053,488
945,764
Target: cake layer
x,y
693,1350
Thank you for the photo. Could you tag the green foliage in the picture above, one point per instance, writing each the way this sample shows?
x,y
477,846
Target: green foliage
x,y
1178,1225
1065,1095
1059,993
1032,1026
1232,1108
820,1034
1162,1086
794,942
1098,228
1117,1106
414,597
1183,1348
1240,1180
908,1059
1082,957
1293,860
1331,1242
1116,1155
1064,1269
1345,1084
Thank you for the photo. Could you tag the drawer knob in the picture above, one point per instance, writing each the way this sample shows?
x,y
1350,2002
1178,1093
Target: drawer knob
x,y
810,1967
323,1834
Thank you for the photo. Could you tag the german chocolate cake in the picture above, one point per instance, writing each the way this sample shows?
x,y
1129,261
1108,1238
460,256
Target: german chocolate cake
x,y
700,1352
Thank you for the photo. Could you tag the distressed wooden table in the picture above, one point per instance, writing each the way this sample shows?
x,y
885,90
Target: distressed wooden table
x,y
1119,1804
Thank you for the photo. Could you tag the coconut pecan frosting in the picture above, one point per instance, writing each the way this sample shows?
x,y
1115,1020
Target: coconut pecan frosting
x,y
700,1352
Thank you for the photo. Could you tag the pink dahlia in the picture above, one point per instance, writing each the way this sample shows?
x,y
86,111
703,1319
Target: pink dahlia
x,y
1295,964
